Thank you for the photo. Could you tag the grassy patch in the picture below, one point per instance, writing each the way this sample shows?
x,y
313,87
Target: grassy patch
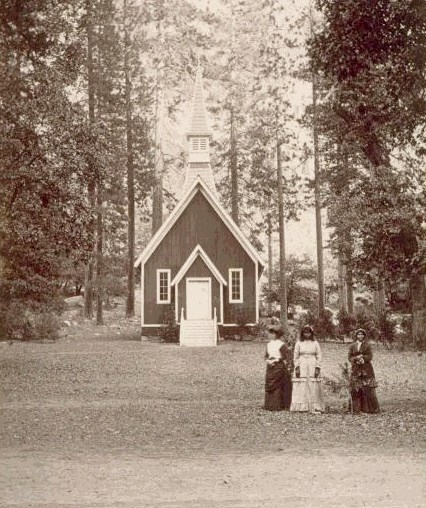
x,y
160,399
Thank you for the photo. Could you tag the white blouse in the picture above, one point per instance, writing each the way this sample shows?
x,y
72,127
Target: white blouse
x,y
307,349
273,350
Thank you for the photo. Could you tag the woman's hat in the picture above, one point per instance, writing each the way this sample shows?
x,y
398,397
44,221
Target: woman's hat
x,y
277,329
360,330
307,328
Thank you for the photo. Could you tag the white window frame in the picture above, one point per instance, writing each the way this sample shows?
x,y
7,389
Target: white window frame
x,y
231,271
169,292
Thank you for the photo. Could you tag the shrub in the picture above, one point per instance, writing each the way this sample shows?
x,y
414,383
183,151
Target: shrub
x,y
386,328
379,327
241,319
309,319
46,326
170,332
276,314
347,323
339,385
403,332
114,286
255,332
15,323
367,320
323,325
241,316
18,322
407,326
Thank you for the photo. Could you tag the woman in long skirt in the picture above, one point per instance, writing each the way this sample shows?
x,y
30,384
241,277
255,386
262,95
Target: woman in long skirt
x,y
362,381
278,371
307,382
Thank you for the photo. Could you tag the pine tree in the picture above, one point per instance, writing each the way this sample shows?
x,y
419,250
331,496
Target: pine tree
x,y
375,80
44,215
273,109
130,301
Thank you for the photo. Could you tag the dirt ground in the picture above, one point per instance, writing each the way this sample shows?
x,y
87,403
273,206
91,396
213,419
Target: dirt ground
x,y
100,419
291,479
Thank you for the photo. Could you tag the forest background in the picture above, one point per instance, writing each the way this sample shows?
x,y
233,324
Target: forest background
x,y
316,109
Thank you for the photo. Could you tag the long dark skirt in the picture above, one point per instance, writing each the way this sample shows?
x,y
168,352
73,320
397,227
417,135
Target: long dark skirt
x,y
277,387
364,400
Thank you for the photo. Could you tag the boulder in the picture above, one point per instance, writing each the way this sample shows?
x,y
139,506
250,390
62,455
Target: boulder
x,y
74,301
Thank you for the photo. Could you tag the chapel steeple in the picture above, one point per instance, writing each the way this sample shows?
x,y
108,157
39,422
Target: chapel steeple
x,y
199,138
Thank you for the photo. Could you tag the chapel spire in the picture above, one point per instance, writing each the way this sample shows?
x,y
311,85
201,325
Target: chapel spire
x,y
199,139
199,111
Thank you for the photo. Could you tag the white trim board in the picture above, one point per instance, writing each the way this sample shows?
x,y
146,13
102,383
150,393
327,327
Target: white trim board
x,y
142,304
198,252
257,292
230,325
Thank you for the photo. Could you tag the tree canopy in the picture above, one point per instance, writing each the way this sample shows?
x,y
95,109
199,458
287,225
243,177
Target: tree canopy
x,y
82,86
371,58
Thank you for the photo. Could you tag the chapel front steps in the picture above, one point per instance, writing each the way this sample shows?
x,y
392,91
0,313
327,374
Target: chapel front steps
x,y
198,333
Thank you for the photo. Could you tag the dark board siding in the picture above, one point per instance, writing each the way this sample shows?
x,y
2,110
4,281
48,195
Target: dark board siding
x,y
200,224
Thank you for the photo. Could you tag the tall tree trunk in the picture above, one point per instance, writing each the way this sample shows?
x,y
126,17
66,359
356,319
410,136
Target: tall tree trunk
x,y
233,158
130,302
417,280
99,246
350,288
342,290
157,202
90,269
379,297
270,263
234,169
347,244
345,273
348,270
281,222
380,300
88,283
317,192
418,308
99,256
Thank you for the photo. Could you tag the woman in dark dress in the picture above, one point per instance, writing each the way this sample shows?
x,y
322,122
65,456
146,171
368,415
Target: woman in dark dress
x,y
278,371
362,381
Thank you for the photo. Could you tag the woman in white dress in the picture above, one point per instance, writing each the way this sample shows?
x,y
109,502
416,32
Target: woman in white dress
x,y
307,394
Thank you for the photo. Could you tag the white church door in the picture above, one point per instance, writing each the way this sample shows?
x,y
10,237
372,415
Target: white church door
x,y
198,298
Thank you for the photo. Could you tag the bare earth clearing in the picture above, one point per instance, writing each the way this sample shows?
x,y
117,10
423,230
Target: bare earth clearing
x,y
100,419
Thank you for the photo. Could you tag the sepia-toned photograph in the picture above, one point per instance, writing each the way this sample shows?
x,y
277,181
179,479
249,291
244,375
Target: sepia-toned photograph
x,y
212,253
